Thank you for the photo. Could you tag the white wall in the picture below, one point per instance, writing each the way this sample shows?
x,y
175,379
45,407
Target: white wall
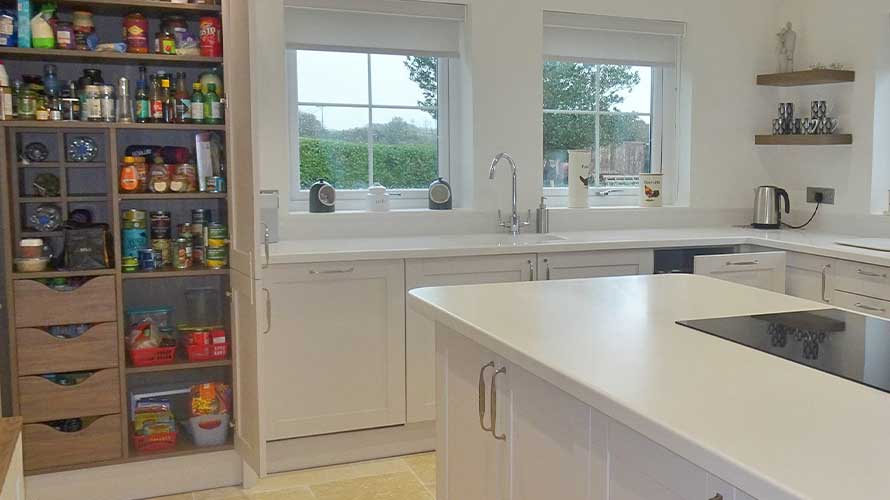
x,y
856,35
727,42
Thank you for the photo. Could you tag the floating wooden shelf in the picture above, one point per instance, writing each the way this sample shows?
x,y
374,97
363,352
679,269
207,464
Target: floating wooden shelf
x,y
181,364
110,125
809,77
169,272
62,274
803,140
172,196
93,57
145,6
41,234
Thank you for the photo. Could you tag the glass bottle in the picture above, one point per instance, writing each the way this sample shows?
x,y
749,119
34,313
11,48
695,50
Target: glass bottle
x,y
156,99
197,103
54,104
51,80
212,106
17,88
169,102
183,102
124,102
143,106
106,102
27,103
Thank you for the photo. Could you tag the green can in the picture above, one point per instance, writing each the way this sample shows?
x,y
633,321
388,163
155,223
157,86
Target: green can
x,y
216,258
217,231
129,264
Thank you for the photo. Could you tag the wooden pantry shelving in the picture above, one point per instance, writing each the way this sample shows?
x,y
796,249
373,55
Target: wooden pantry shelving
x,y
93,185
808,77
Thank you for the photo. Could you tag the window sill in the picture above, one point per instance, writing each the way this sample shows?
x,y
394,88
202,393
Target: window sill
x,y
398,211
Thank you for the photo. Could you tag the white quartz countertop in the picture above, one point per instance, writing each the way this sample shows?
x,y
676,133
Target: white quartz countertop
x,y
331,250
775,429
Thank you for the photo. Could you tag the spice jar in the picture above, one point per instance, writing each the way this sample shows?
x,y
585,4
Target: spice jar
x,y
136,33
27,104
165,43
65,35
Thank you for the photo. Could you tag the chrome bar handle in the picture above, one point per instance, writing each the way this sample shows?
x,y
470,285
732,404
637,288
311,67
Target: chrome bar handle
x,y
871,274
531,270
744,263
268,310
494,404
547,269
825,281
333,271
865,307
267,234
490,364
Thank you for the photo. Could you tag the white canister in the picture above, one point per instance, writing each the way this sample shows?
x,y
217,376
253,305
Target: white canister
x,y
378,199
579,177
651,190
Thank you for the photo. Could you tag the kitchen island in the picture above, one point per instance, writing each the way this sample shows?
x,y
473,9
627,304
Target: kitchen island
x,y
588,389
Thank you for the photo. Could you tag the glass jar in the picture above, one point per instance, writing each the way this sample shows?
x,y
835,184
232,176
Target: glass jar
x,y
91,106
159,178
27,104
106,102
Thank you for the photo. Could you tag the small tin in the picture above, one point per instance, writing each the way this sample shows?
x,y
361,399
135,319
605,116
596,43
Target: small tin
x,y
161,227
129,264
149,260
162,246
182,253
136,217
217,258
215,184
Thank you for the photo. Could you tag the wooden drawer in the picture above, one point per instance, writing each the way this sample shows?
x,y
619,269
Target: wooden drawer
x,y
42,400
45,447
862,304
38,305
40,352
863,279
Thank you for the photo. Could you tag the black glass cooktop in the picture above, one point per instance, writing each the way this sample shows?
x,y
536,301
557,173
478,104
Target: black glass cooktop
x,y
841,343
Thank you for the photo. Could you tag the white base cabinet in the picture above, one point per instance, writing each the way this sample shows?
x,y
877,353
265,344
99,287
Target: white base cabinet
x,y
335,347
553,445
764,270
600,264
809,277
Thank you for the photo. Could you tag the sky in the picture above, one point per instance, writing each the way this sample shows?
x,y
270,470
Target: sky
x,y
339,77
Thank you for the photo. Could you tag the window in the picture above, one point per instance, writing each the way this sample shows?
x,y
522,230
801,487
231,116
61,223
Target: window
x,y
368,118
604,108
610,88
369,99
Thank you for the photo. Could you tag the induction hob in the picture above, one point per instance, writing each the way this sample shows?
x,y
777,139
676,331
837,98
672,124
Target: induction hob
x,y
841,343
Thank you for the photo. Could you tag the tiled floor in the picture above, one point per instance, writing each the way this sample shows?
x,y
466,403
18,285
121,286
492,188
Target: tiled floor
x,y
412,477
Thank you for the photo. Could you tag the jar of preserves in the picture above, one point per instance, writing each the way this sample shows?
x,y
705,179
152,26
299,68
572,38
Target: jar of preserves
x,y
129,177
159,178
65,35
136,33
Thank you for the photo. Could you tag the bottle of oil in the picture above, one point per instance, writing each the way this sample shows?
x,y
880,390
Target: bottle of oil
x,y
156,100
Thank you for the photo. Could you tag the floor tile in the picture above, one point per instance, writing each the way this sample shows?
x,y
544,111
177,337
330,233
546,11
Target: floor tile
x,y
306,477
399,486
301,493
381,466
424,465
183,496
231,493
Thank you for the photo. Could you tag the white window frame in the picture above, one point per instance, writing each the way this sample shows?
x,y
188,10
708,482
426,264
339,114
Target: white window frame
x,y
662,131
356,199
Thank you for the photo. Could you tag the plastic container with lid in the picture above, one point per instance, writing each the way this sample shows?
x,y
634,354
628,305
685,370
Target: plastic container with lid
x,y
31,248
91,107
161,316
34,265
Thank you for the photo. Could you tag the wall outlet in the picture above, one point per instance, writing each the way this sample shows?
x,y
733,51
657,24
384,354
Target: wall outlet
x,y
827,195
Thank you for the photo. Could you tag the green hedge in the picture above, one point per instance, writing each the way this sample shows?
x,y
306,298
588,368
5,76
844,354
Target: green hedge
x,y
345,164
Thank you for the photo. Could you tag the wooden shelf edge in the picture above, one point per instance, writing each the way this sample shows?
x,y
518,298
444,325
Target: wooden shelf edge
x,y
178,366
64,124
107,57
150,5
172,196
804,140
62,274
176,273
808,77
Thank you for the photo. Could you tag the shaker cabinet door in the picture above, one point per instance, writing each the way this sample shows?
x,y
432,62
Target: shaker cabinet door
x,y
598,264
335,351
764,270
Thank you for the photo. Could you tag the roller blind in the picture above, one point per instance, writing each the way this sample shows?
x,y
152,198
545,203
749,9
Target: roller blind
x,y
386,26
607,39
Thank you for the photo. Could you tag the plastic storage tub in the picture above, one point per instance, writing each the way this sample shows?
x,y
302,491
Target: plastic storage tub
x,y
209,430
161,316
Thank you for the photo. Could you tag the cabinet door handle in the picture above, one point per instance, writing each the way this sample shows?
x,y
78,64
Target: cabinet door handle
x,y
870,274
718,496
332,271
865,307
268,310
547,269
825,281
494,404
490,364
743,263
531,270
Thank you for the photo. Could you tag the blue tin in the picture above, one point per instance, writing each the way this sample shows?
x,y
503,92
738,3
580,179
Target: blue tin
x,y
150,260
134,240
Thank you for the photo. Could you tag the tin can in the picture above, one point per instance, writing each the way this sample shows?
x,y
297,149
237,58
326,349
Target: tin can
x,y
134,216
182,253
217,258
129,264
210,36
133,239
161,227
217,231
215,184
198,255
200,217
162,246
149,260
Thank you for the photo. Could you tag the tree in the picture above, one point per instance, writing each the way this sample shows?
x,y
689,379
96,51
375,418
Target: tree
x,y
424,71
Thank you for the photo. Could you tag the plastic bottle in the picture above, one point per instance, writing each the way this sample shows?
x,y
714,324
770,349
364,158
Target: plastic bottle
x,y
183,102
169,102
156,100
124,103
143,106
212,106
197,103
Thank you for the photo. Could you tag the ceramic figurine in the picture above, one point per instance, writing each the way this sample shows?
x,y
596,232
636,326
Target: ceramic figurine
x,y
787,39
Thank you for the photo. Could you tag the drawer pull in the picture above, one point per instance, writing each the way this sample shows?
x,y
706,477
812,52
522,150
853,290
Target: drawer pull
x,y
871,274
332,271
869,308
743,263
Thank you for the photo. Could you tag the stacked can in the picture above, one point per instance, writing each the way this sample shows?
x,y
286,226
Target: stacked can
x,y
134,234
201,217
161,234
217,250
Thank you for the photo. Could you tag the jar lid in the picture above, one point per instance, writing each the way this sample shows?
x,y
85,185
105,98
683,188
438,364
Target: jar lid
x,y
31,242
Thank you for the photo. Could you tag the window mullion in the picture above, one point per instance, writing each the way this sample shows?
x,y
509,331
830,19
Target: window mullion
x,y
370,128
596,134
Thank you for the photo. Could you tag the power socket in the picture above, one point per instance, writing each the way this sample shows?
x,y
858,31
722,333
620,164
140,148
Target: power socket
x,y
827,195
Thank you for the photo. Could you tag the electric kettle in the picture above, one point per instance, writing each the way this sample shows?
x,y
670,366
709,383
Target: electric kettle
x,y
767,207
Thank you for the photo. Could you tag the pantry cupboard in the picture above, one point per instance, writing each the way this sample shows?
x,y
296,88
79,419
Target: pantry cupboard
x,y
72,380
